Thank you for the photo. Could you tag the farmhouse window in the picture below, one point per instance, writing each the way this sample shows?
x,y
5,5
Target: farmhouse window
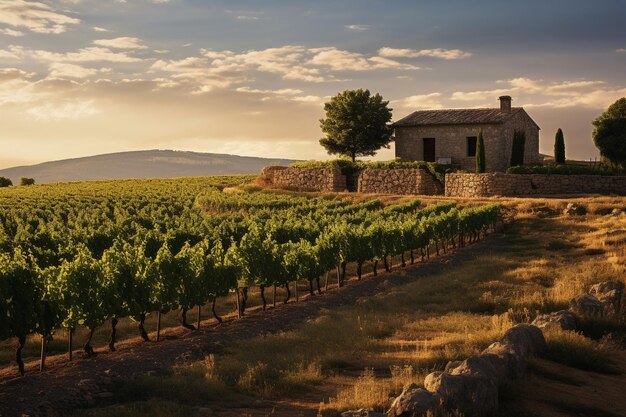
x,y
471,145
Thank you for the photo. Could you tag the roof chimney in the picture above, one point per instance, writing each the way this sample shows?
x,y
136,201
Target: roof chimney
x,y
505,103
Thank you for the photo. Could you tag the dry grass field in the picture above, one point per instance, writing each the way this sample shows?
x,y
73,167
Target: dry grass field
x,y
361,355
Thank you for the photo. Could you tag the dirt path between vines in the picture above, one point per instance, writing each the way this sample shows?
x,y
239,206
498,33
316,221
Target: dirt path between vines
x,y
67,385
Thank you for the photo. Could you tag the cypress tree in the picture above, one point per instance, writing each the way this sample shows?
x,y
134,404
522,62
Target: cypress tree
x,y
517,151
559,148
480,153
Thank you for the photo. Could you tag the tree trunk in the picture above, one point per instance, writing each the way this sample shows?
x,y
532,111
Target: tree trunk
x,y
274,297
262,288
21,341
311,287
359,269
238,303
403,261
70,335
199,316
343,271
113,334
422,254
338,276
412,257
295,290
288,293
244,300
183,321
375,267
88,348
218,318
437,247
142,329
42,356
428,251
319,287
326,281
386,262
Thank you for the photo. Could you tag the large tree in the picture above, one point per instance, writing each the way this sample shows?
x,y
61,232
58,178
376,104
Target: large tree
x,y
609,134
356,124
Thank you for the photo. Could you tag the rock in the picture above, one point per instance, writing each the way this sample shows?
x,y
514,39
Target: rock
x,y
561,320
470,394
574,209
415,402
362,413
586,305
616,212
526,339
610,294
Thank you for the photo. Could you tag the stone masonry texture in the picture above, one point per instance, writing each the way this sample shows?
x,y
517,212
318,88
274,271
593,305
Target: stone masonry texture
x,y
398,181
499,184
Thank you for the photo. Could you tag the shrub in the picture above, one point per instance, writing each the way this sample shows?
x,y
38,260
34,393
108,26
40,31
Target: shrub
x,y
480,153
27,181
5,182
574,349
562,170
559,148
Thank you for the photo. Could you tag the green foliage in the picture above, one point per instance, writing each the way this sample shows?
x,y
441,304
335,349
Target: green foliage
x,y
562,170
27,181
610,138
559,148
19,291
480,153
5,182
356,124
517,151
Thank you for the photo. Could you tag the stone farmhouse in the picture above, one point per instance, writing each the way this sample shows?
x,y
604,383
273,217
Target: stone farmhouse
x,y
449,136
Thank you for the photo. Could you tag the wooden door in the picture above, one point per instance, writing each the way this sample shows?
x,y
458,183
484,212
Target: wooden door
x,y
429,149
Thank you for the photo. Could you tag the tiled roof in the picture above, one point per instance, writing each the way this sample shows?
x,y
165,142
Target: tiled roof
x,y
456,117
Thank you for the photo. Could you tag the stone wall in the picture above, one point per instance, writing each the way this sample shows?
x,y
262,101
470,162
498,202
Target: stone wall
x,y
305,179
499,184
398,181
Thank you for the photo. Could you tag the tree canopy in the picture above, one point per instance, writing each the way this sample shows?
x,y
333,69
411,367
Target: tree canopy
x,y
5,182
356,124
609,134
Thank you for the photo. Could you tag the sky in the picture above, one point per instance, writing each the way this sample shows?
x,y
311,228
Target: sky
x,y
84,77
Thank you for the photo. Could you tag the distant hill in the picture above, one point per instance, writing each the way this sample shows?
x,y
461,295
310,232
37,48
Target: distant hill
x,y
140,164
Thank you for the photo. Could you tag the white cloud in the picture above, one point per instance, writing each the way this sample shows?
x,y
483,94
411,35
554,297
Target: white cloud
x,y
99,29
123,42
282,91
64,70
11,32
358,28
89,54
447,54
34,16
620,50
247,17
421,101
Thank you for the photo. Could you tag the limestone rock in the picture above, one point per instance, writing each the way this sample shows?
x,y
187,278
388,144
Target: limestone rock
x,y
586,305
610,294
526,339
470,394
362,413
415,402
574,209
562,320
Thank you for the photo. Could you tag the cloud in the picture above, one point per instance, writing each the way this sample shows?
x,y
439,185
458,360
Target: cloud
x,y
421,101
62,111
358,28
34,16
620,50
99,29
124,42
282,91
247,17
64,70
11,32
447,54
89,54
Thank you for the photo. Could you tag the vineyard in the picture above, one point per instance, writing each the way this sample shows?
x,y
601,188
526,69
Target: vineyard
x,y
85,254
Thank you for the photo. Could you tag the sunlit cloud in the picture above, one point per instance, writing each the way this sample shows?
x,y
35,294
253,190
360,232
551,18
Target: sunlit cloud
x,y
358,28
35,16
447,54
121,43
11,32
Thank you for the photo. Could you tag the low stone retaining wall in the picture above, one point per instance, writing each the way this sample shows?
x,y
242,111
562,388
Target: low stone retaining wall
x,y
499,184
398,181
305,179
